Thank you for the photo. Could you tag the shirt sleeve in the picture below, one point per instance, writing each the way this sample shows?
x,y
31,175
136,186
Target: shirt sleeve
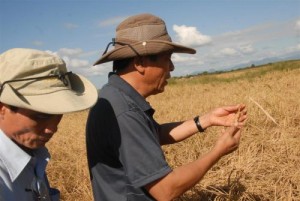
x,y
140,151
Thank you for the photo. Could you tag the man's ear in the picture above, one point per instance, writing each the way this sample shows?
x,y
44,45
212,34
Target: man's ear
x,y
139,64
2,110
1,106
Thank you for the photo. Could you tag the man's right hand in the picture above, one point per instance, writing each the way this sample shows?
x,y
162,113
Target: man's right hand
x,y
228,141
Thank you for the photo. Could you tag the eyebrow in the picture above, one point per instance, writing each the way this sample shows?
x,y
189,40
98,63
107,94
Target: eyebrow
x,y
34,114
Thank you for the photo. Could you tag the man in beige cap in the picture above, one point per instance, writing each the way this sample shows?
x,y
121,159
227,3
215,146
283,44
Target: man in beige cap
x,y
124,141
35,91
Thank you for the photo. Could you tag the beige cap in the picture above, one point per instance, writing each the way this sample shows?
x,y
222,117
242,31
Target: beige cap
x,y
39,81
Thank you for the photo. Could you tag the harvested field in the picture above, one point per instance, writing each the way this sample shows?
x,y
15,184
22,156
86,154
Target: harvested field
x,y
265,167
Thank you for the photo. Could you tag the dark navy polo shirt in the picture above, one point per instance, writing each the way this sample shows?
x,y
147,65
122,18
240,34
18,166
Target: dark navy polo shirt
x,y
123,149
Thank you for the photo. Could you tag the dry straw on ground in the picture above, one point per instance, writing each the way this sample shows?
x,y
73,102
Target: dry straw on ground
x,y
265,167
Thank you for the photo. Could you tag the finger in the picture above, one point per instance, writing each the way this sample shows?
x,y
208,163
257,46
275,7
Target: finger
x,y
233,108
237,117
243,110
232,130
241,125
243,119
237,135
240,117
229,108
242,106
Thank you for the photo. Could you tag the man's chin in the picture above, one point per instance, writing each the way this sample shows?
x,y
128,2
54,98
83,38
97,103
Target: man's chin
x,y
36,145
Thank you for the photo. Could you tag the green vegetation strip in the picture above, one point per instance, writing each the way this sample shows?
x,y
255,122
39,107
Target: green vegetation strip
x,y
248,73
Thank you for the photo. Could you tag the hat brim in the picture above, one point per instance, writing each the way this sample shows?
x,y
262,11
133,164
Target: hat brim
x,y
83,95
150,47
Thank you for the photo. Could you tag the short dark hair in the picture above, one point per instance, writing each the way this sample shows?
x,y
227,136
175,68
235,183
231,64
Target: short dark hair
x,y
119,65
153,57
13,108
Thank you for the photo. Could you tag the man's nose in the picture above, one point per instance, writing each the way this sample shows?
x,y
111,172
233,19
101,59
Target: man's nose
x,y
52,125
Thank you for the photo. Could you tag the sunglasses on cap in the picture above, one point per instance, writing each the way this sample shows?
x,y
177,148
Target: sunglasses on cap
x,y
58,75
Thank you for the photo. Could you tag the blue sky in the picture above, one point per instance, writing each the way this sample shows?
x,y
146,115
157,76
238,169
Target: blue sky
x,y
225,33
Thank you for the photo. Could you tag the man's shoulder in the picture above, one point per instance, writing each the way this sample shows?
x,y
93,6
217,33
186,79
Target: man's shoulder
x,y
109,90
113,99
113,95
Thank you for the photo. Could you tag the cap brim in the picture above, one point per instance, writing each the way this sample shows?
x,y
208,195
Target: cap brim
x,y
83,95
143,48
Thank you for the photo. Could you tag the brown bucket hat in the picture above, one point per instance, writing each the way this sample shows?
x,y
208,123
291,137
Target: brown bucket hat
x,y
141,35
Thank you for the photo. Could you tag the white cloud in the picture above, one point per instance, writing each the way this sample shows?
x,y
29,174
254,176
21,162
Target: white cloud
x,y
70,52
241,48
102,69
75,62
182,58
297,25
228,52
111,21
237,48
50,52
70,26
246,49
251,44
262,33
90,53
73,59
292,49
190,36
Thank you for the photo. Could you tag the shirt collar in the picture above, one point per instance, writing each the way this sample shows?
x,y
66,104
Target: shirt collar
x,y
121,84
15,159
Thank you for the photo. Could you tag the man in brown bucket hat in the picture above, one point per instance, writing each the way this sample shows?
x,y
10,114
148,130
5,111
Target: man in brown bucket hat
x,y
124,141
35,91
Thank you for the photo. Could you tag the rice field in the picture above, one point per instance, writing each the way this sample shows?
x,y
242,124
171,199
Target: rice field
x,y
265,167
